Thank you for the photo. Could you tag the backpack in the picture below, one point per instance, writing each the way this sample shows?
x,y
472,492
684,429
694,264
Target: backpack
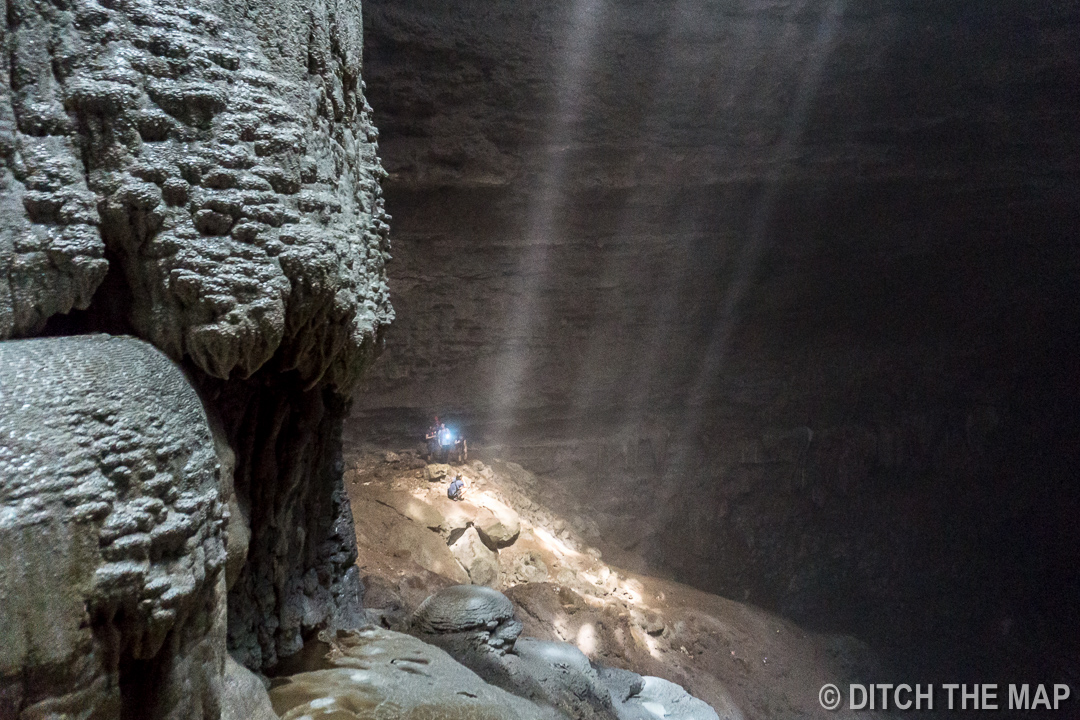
x,y
456,489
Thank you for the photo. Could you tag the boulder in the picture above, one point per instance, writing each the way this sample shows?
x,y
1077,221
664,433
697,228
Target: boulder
x,y
477,628
648,620
551,674
436,472
529,567
407,539
429,552
463,608
468,619
454,516
555,654
622,684
558,674
243,695
419,511
497,523
469,623
479,561
384,603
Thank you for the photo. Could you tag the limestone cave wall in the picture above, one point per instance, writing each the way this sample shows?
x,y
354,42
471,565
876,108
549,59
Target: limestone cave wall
x,y
781,294
203,175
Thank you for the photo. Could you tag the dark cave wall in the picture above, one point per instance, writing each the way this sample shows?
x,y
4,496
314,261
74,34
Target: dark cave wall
x,y
925,142
802,275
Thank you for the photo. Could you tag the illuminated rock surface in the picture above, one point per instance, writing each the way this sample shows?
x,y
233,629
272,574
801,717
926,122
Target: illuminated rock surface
x,y
377,673
479,561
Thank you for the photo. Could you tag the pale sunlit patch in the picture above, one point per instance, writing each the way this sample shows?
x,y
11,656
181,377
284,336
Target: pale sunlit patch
x,y
561,628
554,544
651,644
586,639
655,708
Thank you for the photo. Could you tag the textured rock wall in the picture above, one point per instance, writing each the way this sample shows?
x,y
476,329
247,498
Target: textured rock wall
x,y
112,515
203,175
237,193
784,291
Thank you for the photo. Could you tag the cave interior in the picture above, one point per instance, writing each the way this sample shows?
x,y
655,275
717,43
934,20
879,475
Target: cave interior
x,y
773,305
783,295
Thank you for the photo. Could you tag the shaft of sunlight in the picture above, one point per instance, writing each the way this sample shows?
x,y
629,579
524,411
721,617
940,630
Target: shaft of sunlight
x,y
526,313
751,251
615,321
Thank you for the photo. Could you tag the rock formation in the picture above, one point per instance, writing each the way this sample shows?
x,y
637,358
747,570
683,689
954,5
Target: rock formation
x,y
479,561
483,614
477,627
378,673
201,175
112,543
243,695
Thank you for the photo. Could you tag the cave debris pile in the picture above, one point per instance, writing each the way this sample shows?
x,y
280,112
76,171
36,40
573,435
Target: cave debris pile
x,y
568,606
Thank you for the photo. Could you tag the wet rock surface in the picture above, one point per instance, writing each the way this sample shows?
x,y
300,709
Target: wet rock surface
x,y
366,674
204,176
667,699
112,534
378,673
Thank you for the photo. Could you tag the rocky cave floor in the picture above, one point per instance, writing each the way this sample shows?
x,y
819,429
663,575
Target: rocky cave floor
x,y
413,541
